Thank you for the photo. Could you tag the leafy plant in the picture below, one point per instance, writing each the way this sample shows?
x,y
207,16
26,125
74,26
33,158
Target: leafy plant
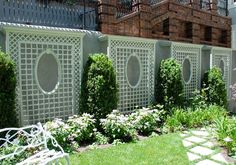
x,y
198,99
225,131
233,90
176,121
16,158
75,131
82,128
18,146
99,90
62,133
117,126
101,139
191,118
145,120
215,87
8,117
169,86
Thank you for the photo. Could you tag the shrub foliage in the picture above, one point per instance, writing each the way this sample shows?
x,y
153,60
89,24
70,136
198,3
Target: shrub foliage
x,y
216,90
117,126
225,132
169,86
192,118
76,131
8,116
99,90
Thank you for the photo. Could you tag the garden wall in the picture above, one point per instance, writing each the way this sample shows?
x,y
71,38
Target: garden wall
x,y
134,62
50,63
222,58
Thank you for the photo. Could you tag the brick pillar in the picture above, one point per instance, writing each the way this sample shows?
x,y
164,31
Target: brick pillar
x,y
195,4
229,33
145,19
196,33
173,29
214,6
215,36
107,16
228,39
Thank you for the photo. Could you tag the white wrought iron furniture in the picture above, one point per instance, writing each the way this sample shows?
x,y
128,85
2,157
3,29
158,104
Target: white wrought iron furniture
x,y
34,136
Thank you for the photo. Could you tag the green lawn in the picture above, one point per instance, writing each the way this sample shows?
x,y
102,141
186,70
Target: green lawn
x,y
165,149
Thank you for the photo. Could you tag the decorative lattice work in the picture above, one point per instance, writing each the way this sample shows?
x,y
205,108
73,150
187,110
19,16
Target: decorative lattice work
x,y
191,52
219,56
143,93
33,105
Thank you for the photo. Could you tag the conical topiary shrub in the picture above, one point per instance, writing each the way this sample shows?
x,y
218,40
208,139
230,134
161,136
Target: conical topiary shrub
x,y
8,116
99,91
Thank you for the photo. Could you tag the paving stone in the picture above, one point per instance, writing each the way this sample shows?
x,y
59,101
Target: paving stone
x,y
183,135
202,150
201,133
192,157
195,139
220,158
207,162
208,144
187,143
186,132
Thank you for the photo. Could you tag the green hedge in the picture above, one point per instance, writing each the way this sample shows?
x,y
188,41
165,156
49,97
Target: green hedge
x,y
215,87
7,92
169,86
99,90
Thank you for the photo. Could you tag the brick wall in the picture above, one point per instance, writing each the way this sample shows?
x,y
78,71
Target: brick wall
x,y
150,21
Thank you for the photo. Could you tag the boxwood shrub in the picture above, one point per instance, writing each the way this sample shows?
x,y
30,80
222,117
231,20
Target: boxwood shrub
x,y
99,90
215,87
8,117
169,86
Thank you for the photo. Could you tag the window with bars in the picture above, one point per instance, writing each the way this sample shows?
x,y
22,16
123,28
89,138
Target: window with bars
x,y
223,37
208,33
166,27
188,29
205,4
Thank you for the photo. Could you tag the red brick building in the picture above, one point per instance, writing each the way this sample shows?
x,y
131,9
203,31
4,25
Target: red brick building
x,y
191,21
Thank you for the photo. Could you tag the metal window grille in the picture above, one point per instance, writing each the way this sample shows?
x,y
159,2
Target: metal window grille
x,y
125,7
166,27
189,29
208,33
205,5
223,37
82,15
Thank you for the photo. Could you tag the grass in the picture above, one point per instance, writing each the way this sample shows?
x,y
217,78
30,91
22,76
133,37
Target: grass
x,y
165,149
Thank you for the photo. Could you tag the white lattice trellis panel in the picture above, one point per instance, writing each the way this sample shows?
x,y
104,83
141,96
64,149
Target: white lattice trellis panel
x,y
193,53
25,48
221,57
120,51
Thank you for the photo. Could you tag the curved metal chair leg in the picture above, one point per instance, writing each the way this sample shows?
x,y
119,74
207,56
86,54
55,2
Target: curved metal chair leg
x,y
67,159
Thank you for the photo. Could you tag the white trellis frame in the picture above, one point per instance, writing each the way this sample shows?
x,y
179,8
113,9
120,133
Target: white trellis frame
x,y
192,52
219,54
119,50
25,43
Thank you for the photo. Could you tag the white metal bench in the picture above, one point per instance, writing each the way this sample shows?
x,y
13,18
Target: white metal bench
x,y
34,137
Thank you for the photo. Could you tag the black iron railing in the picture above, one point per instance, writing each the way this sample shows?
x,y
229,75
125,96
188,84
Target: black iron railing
x,y
185,2
125,7
82,14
